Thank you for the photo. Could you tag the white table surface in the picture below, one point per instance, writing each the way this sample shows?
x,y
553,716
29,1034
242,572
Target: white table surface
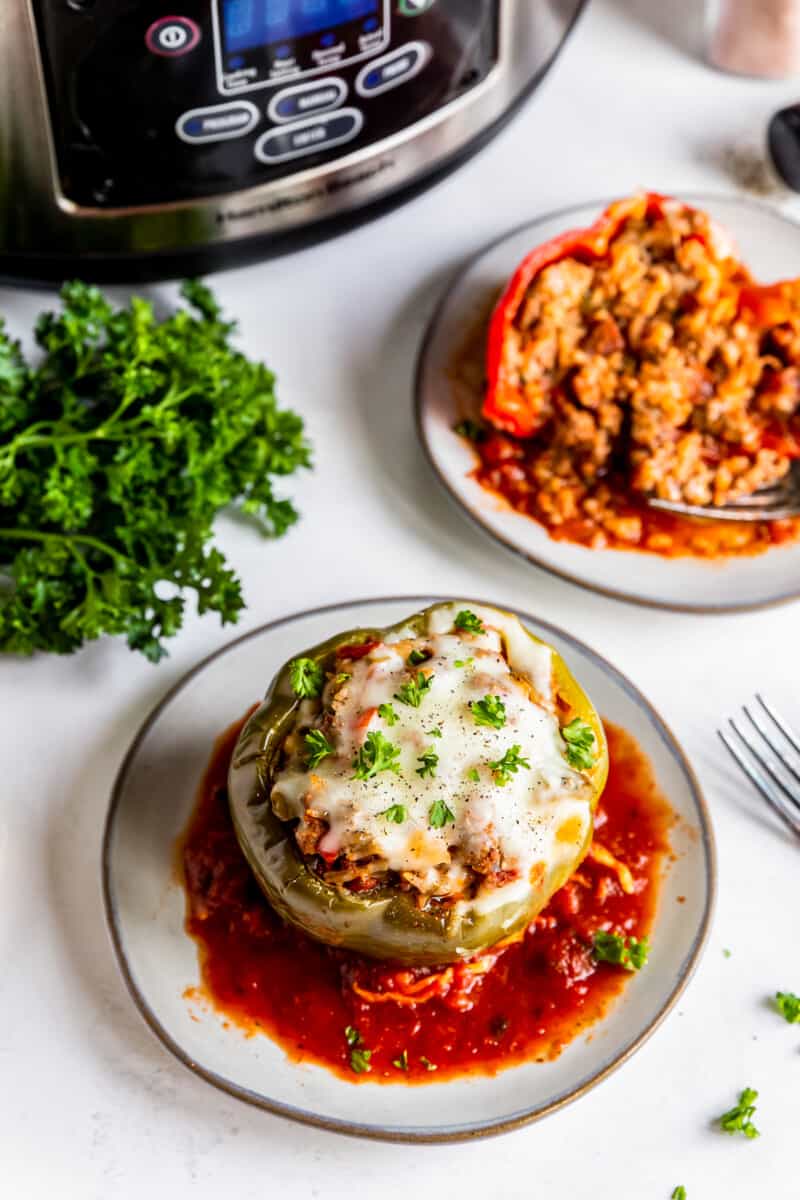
x,y
90,1104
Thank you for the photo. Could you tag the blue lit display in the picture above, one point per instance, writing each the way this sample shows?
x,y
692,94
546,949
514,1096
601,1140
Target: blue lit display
x,y
250,23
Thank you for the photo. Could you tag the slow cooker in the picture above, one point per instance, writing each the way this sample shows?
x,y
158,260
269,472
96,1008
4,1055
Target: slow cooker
x,y
142,139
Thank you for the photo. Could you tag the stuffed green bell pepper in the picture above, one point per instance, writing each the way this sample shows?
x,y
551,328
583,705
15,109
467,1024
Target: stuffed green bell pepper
x,y
418,793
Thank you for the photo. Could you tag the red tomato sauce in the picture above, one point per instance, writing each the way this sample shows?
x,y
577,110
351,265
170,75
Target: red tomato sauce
x,y
536,995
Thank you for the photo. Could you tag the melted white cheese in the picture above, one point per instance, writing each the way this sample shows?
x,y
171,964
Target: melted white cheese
x,y
521,818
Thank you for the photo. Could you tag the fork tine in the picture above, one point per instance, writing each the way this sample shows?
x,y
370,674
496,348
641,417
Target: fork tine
x,y
782,790
778,752
784,728
761,783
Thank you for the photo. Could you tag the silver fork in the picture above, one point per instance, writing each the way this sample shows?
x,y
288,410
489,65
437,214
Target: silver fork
x,y
774,503
779,785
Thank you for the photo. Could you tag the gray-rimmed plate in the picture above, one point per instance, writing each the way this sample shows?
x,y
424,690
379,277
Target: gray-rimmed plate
x,y
153,798
770,245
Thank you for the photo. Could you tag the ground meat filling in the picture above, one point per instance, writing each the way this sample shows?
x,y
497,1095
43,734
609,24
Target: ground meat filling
x,y
644,381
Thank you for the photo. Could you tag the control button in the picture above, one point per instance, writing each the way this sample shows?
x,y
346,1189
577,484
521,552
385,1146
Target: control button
x,y
217,123
319,96
310,136
370,25
413,8
328,39
172,36
395,68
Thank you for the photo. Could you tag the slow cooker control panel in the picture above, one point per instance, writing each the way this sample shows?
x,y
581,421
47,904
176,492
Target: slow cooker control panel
x,y
150,106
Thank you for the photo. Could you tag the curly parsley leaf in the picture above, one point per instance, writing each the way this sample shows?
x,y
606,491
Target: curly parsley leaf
x,y
468,622
418,656
427,1064
679,1193
387,713
359,1060
628,952
738,1119
413,693
473,775
396,813
489,711
318,747
306,677
402,1062
508,765
440,815
430,761
788,1005
376,755
117,453
581,742
352,1036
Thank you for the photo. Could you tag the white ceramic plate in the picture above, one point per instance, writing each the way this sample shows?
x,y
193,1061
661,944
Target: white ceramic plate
x,y
151,803
770,245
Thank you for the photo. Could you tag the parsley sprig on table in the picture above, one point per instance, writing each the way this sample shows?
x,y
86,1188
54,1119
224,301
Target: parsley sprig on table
x,y
116,454
788,1005
738,1119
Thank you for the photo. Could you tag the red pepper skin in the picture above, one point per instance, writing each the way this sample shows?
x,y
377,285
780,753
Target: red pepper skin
x,y
505,404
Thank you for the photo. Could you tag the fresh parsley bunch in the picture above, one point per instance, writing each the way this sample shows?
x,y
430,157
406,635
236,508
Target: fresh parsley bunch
x,y
116,454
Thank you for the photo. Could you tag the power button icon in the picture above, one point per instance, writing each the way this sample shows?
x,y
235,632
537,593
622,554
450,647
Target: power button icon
x,y
172,36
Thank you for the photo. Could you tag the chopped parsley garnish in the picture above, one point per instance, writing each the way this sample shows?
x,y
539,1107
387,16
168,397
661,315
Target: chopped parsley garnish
x,y
437,733
468,622
489,711
306,677
359,1060
430,761
630,953
473,775
463,662
580,740
352,1036
508,765
679,1193
396,813
414,692
727,953
440,814
341,678
473,431
318,747
387,713
417,656
427,1064
788,1006
737,1119
402,1062
376,755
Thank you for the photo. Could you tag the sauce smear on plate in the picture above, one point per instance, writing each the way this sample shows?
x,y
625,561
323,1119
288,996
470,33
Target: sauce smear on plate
x,y
367,1020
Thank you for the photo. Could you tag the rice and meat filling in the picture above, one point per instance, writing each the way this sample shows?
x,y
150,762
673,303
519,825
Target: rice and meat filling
x,y
428,765
643,376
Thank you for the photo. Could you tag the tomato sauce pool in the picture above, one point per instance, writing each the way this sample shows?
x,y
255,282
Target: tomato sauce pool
x,y
365,1020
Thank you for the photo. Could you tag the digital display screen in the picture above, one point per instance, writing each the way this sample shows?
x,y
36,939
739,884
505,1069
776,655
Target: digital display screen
x,y
250,23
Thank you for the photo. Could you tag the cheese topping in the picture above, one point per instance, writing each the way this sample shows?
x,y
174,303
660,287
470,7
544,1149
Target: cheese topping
x,y
467,806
